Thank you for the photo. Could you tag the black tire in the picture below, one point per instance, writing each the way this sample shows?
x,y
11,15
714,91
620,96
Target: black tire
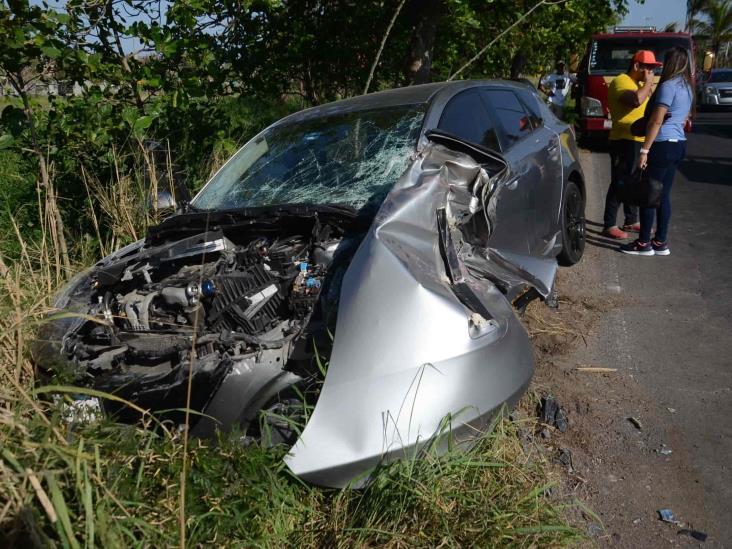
x,y
573,225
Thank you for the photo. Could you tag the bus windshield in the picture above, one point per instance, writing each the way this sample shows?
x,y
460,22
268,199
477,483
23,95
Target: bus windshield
x,y
612,56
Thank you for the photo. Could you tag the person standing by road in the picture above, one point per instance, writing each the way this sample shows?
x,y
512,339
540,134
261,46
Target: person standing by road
x,y
556,86
664,148
627,96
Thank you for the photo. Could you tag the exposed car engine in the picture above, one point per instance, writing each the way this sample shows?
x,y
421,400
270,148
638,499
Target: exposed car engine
x,y
204,303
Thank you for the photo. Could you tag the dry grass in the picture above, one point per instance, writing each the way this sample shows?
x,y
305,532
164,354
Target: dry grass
x,y
103,484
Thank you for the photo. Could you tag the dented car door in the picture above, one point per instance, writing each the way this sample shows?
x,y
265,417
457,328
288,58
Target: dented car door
x,y
466,116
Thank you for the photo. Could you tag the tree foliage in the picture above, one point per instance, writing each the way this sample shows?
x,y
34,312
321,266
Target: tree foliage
x,y
202,75
715,27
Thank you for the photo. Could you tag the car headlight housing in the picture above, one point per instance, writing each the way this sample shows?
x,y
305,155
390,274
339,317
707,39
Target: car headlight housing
x,y
710,90
591,107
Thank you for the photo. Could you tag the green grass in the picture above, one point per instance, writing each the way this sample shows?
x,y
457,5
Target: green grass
x,y
111,485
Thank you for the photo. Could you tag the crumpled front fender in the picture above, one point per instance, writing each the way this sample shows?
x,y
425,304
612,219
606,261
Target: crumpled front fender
x,y
406,354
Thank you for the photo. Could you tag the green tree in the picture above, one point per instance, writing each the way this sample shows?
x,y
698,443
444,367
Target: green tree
x,y
716,28
31,45
693,7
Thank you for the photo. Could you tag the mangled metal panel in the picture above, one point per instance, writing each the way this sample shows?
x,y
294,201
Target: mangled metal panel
x,y
408,351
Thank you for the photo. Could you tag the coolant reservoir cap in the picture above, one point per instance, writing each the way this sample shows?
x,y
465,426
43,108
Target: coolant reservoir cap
x,y
208,288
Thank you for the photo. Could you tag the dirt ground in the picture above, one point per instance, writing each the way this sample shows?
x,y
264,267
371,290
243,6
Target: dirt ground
x,y
631,447
616,449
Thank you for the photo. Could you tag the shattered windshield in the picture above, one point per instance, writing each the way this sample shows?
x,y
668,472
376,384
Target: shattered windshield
x,y
351,158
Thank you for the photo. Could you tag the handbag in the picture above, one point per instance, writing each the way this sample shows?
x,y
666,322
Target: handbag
x,y
640,189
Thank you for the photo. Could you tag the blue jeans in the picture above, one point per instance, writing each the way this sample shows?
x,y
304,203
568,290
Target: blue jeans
x,y
664,158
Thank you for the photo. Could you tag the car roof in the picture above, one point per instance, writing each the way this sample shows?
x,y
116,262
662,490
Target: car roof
x,y
421,94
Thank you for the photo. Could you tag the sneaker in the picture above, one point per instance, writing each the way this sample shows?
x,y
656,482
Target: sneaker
x,y
637,248
660,248
614,232
635,227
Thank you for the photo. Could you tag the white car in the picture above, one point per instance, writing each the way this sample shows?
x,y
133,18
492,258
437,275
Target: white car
x,y
718,89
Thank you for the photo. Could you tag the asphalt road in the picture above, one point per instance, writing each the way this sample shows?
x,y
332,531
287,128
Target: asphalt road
x,y
671,339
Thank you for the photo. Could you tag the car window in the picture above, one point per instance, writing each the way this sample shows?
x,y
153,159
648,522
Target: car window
x,y
465,116
721,76
512,119
531,103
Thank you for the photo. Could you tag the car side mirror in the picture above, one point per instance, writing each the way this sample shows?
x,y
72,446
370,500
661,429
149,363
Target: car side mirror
x,y
166,201
164,206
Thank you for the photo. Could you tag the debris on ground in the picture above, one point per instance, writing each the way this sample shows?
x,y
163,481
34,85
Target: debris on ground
x,y
565,458
696,534
596,370
594,530
560,420
636,423
667,515
672,410
664,450
553,414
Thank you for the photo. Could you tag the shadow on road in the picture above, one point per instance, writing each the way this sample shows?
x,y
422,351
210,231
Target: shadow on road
x,y
707,169
594,237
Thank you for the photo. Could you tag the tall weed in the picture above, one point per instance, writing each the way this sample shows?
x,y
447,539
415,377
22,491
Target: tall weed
x,y
102,484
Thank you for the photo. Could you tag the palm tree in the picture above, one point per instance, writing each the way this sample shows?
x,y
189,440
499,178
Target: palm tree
x,y
693,7
717,26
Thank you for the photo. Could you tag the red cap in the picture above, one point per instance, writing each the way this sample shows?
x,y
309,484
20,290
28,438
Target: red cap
x,y
646,57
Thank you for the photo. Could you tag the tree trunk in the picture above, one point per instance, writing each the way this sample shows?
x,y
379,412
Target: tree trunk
x,y
518,64
419,62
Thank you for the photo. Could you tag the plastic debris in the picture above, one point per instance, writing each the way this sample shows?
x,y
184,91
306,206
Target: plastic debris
x,y
667,515
672,410
696,534
549,409
560,420
565,457
665,451
636,423
553,415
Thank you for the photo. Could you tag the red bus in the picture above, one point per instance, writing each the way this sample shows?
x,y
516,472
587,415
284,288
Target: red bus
x,y
609,55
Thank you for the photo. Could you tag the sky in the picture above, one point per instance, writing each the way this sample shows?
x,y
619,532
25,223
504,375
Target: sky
x,y
657,13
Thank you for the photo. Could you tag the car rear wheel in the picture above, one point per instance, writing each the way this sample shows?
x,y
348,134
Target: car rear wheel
x,y
573,225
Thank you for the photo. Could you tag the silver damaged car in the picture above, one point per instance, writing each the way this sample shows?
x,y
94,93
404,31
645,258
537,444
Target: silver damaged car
x,y
346,284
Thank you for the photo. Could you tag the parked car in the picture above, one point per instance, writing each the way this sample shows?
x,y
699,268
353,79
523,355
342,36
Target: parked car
x,y
387,235
717,90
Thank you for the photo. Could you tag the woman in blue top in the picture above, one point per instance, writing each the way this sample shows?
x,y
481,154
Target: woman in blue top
x,y
664,148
